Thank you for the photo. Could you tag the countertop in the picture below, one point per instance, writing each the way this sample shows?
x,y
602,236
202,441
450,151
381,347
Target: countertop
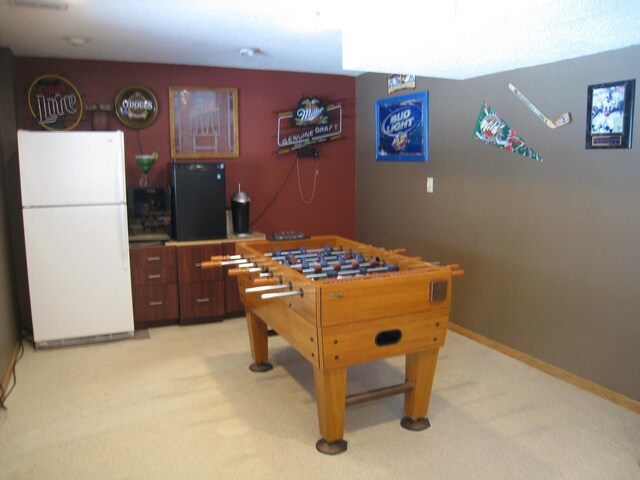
x,y
176,243
231,238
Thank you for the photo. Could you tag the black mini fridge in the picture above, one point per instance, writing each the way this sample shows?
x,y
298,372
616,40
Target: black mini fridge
x,y
198,200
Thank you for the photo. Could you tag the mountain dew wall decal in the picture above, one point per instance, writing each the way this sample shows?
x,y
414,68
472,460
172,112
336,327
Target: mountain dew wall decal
x,y
493,130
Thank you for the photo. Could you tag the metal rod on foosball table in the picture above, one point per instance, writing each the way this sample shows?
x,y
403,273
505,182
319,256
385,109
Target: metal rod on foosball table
x,y
294,252
247,266
238,261
265,288
222,263
242,269
217,258
266,296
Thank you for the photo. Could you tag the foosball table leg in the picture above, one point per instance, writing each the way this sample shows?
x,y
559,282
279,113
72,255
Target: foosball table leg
x,y
258,337
331,389
419,372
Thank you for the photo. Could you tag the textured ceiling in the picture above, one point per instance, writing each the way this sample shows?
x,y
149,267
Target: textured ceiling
x,y
468,38
450,38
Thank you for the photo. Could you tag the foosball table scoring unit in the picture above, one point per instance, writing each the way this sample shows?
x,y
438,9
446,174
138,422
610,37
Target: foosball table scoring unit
x,y
339,302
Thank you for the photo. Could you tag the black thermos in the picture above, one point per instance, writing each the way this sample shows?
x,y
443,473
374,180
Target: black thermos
x,y
240,203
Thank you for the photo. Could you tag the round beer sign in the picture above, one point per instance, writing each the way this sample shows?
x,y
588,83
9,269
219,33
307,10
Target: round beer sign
x,y
55,102
136,106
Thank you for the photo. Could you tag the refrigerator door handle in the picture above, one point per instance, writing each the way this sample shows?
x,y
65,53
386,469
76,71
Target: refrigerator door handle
x,y
124,238
120,178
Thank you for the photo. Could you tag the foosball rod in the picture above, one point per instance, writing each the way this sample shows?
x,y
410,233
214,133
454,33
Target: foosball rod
x,y
234,272
267,296
343,273
265,288
293,252
225,257
223,263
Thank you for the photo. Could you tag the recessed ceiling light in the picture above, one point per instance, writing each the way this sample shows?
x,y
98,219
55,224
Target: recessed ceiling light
x,y
248,52
77,41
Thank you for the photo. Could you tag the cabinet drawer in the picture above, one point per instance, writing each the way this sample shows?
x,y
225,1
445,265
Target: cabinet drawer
x,y
190,264
143,257
201,300
154,275
155,303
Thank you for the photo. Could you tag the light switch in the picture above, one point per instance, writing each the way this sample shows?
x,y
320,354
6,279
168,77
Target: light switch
x,y
430,184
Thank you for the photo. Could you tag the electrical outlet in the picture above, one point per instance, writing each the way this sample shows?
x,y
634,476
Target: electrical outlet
x,y
429,184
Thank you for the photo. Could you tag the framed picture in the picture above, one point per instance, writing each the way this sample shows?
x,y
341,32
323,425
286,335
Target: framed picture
x,y
204,122
397,82
610,114
402,128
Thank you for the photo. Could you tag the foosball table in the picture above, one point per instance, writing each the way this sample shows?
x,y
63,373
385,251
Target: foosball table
x,y
339,302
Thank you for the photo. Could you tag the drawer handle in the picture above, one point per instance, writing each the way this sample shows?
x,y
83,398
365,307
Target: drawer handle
x,y
203,300
198,264
154,275
153,259
155,303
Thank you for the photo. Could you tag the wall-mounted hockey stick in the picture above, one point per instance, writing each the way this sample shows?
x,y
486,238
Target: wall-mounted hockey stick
x,y
561,121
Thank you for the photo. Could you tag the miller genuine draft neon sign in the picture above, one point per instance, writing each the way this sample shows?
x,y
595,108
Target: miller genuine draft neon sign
x,y
310,122
55,102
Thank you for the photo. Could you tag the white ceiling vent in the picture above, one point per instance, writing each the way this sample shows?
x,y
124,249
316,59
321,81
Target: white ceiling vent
x,y
44,4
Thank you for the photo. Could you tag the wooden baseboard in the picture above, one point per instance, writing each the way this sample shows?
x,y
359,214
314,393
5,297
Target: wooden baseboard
x,y
6,382
568,377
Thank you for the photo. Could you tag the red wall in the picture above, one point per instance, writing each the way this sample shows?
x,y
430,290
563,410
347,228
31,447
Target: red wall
x,y
261,95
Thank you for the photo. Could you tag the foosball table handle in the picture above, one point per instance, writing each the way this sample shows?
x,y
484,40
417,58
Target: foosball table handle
x,y
265,281
456,271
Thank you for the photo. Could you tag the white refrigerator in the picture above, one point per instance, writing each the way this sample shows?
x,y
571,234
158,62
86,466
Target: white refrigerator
x,y
76,239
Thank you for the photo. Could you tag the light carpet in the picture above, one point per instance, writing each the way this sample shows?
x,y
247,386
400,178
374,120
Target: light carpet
x,y
181,403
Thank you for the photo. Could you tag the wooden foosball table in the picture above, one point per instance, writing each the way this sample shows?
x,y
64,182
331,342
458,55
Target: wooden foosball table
x,y
339,302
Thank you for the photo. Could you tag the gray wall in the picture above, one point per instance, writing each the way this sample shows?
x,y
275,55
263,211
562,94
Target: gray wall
x,y
551,250
8,154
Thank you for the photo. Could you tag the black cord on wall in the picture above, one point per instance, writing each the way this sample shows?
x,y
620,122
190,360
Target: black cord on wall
x,y
3,395
275,197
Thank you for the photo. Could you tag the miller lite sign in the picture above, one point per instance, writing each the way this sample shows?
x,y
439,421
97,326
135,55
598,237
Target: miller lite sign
x,y
55,102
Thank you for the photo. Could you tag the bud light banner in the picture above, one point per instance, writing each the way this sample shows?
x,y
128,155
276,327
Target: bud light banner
x,y
402,128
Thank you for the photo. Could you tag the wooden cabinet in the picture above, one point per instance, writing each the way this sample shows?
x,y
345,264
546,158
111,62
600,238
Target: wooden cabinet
x,y
201,291
233,305
154,284
170,286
